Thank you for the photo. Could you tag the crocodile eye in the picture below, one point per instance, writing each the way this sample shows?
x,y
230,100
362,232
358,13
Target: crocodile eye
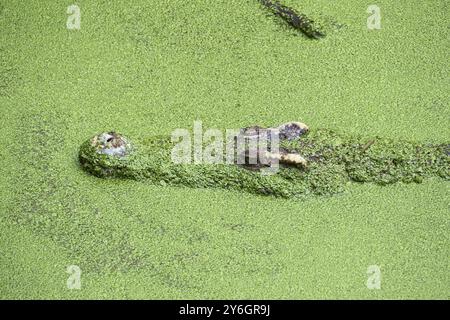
x,y
292,130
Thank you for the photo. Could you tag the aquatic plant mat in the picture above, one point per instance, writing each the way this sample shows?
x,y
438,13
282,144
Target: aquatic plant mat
x,y
146,68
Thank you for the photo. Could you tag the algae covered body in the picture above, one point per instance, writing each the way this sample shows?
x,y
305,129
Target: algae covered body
x,y
333,161
296,20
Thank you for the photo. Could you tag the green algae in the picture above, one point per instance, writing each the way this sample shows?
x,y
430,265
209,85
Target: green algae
x,y
145,68
333,161
9,75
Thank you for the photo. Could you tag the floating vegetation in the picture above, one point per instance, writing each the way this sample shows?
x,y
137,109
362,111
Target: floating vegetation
x,y
9,74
